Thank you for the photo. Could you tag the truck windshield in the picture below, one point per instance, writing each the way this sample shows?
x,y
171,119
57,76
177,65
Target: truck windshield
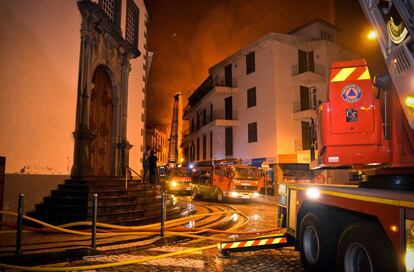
x,y
245,173
179,172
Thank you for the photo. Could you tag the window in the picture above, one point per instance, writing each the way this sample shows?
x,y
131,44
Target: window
x,y
192,157
204,117
306,61
211,144
198,120
204,146
251,97
192,125
229,141
131,27
198,149
228,76
327,36
252,132
250,63
304,98
306,136
112,9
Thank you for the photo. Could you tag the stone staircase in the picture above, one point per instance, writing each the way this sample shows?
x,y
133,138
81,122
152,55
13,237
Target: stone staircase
x,y
72,201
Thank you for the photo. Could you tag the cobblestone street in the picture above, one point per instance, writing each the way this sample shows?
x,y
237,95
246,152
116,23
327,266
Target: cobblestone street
x,y
261,216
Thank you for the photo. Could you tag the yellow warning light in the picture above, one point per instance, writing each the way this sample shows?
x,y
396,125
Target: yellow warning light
x,y
409,101
372,35
394,228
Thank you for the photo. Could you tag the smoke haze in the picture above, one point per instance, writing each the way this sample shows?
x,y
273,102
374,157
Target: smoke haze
x,y
189,36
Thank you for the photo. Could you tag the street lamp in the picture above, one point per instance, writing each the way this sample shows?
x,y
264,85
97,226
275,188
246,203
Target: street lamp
x,y
372,35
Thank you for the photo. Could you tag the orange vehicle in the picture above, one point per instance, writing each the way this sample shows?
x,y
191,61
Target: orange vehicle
x,y
231,181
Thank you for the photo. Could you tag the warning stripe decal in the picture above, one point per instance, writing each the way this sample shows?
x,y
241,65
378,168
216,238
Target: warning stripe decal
x,y
253,243
350,74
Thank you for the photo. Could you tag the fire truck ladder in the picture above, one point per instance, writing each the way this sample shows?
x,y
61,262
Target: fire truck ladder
x,y
173,141
257,243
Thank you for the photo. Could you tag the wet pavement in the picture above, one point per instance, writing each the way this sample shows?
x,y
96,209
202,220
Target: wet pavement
x,y
261,216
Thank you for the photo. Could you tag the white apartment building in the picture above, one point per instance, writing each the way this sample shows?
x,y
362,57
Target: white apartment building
x,y
256,104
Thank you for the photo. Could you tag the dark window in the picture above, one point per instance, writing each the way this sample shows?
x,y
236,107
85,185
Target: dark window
x,y
229,141
204,117
304,98
250,63
192,125
306,61
228,108
306,136
251,97
204,146
228,76
198,149
198,120
211,112
327,36
192,157
131,27
112,9
211,144
252,132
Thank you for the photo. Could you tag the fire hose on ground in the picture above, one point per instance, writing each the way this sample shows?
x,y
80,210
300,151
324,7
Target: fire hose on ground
x,y
149,229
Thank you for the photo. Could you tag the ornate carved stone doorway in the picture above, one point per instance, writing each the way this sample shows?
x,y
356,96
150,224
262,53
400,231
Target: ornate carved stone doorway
x,y
100,122
101,145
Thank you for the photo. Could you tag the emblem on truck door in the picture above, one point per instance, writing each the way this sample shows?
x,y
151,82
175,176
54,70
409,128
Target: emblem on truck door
x,y
351,93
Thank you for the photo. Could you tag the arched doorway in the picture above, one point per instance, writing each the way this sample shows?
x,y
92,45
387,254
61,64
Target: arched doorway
x,y
100,122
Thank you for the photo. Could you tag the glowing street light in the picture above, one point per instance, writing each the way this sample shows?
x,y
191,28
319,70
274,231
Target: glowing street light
x,y
372,35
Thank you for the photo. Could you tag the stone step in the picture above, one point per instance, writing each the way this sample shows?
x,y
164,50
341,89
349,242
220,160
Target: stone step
x,y
73,201
103,182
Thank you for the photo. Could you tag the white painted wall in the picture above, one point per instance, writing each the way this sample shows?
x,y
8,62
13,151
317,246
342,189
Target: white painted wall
x,y
136,93
276,92
39,52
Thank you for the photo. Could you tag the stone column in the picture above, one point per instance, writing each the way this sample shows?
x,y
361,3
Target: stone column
x,y
123,145
83,137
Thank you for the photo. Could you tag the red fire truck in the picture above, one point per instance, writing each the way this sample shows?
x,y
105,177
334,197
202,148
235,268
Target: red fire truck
x,y
226,179
370,226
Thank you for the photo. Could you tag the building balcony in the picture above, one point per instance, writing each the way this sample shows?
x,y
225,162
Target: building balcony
x,y
217,118
308,75
221,118
211,86
302,114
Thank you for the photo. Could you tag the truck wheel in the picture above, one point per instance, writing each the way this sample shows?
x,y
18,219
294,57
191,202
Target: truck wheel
x,y
364,247
219,196
317,242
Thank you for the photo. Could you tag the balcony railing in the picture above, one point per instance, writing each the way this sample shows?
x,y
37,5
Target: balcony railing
x,y
210,117
298,107
221,81
316,68
223,115
209,85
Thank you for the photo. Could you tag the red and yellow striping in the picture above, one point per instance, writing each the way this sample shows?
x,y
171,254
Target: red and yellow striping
x,y
350,74
253,243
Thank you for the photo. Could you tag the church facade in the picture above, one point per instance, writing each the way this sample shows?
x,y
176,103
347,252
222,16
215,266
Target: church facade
x,y
73,85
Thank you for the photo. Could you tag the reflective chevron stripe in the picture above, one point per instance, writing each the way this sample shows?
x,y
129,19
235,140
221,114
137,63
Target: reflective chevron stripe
x,y
350,74
253,243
